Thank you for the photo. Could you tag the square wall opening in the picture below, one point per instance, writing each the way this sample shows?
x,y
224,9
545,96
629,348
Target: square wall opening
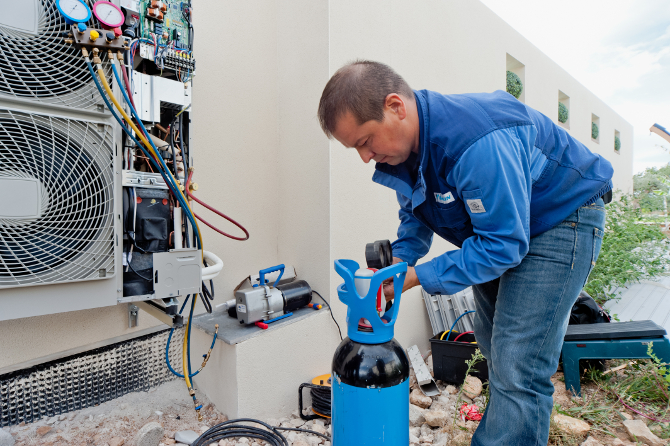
x,y
595,128
563,109
519,76
617,142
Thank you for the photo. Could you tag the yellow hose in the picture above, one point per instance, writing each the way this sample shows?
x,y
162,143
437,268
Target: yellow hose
x,y
105,84
443,334
103,80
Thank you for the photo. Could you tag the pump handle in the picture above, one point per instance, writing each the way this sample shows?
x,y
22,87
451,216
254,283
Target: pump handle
x,y
271,269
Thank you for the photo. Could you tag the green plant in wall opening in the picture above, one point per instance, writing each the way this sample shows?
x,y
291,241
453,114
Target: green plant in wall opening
x,y
563,113
514,84
617,143
595,131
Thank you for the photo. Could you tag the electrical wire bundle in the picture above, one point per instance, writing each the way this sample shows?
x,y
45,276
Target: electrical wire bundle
x,y
152,154
233,429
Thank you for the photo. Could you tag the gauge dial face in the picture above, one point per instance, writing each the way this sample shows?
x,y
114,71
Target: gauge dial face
x,y
108,14
74,10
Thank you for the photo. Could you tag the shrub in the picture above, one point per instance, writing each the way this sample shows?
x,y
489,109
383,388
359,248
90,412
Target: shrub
x,y
630,251
514,84
563,113
617,143
594,130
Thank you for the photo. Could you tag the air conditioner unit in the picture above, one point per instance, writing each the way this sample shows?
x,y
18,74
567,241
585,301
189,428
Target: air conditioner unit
x,y
59,172
37,65
66,167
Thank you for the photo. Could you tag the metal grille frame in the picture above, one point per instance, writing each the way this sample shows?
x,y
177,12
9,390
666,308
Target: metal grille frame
x,y
87,379
43,68
73,161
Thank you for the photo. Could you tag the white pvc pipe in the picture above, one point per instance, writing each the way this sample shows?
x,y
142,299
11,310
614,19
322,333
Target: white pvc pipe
x,y
214,268
178,236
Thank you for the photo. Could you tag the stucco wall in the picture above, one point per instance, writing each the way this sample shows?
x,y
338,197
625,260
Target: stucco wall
x,y
262,159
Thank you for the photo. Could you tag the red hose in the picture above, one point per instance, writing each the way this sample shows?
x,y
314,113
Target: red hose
x,y
219,213
465,332
130,94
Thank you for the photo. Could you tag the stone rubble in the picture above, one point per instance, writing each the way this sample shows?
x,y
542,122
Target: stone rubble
x,y
472,387
150,434
6,439
570,425
638,431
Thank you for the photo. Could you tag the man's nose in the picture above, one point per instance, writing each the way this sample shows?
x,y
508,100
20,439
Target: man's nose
x,y
365,154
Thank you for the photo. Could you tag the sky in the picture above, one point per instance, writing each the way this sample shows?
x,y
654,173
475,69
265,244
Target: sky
x,y
620,50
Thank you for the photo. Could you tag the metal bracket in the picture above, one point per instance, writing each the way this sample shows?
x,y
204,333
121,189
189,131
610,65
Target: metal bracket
x,y
160,313
426,382
133,315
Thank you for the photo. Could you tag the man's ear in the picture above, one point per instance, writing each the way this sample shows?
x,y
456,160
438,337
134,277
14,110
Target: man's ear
x,y
395,104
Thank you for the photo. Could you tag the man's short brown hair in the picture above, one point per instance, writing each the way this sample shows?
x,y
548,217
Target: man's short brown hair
x,y
360,87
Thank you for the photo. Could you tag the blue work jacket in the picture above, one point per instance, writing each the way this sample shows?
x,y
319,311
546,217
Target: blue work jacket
x,y
492,173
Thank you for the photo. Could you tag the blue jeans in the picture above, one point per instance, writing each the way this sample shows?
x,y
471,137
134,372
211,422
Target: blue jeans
x,y
520,323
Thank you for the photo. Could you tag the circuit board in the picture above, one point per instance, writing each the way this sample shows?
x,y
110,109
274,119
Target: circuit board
x,y
174,22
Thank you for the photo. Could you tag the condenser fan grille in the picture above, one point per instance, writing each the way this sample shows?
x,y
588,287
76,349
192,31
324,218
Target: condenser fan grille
x,y
40,66
56,224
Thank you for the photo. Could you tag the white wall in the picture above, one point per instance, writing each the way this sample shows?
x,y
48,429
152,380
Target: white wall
x,y
262,159
451,47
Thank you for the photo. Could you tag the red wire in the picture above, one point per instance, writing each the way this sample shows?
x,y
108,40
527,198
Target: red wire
x,y
465,332
219,213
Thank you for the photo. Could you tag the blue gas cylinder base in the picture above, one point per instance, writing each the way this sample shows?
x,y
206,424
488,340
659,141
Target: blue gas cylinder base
x,y
370,416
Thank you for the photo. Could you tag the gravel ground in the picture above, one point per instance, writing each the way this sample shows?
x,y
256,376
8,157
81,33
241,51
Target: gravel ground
x,y
120,419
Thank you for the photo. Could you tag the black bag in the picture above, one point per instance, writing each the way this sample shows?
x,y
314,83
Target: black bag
x,y
587,311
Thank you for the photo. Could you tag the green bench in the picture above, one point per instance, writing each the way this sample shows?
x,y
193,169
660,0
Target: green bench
x,y
616,340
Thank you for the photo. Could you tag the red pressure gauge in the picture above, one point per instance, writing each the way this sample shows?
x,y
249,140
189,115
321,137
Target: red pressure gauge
x,y
108,14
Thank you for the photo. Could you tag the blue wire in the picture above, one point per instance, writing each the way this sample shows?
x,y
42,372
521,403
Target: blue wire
x,y
188,344
458,318
167,178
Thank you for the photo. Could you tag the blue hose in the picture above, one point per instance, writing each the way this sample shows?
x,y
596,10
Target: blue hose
x,y
167,347
458,318
125,129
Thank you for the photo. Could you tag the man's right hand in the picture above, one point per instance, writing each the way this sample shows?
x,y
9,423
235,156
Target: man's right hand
x,y
411,280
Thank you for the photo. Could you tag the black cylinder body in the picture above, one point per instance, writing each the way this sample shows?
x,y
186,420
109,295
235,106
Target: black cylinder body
x,y
296,294
371,365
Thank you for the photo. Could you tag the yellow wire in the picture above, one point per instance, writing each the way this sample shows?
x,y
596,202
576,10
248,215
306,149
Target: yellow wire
x,y
103,80
442,337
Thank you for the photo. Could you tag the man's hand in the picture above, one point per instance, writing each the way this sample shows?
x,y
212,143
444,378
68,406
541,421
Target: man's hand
x,y
411,280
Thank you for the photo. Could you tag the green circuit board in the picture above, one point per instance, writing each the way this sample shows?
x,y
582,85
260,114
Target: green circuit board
x,y
173,19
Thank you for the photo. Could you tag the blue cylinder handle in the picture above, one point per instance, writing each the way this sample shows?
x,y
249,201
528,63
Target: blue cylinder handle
x,y
271,269
365,306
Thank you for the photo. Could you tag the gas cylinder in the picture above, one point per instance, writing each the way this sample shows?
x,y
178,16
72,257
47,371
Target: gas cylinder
x,y
370,376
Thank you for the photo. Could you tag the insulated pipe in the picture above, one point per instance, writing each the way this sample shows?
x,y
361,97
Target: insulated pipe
x,y
215,266
178,236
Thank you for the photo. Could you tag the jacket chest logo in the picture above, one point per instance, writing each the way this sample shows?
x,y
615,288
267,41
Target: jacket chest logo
x,y
444,198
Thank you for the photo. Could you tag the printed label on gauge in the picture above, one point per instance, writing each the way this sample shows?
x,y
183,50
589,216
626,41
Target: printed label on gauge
x,y
241,308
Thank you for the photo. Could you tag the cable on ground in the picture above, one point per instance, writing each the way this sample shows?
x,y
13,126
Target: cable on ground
x,y
331,313
233,429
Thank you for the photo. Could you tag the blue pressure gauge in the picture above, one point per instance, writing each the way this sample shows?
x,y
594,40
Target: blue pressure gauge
x,y
74,11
